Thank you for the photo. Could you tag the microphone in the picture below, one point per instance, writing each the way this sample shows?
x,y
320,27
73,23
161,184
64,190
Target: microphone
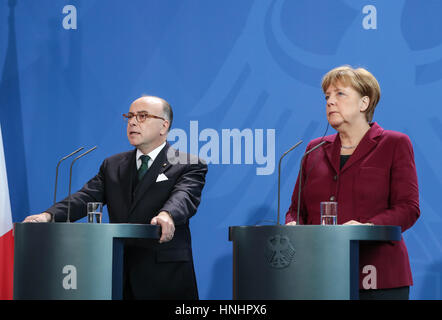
x,y
300,178
56,175
70,179
279,174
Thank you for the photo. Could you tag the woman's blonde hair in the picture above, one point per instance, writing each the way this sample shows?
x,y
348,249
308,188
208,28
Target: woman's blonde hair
x,y
359,79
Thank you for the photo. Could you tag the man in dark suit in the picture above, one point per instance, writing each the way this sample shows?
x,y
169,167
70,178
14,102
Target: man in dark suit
x,y
153,184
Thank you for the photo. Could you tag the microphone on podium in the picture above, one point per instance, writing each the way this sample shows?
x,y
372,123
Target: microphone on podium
x,y
279,174
70,180
300,178
56,176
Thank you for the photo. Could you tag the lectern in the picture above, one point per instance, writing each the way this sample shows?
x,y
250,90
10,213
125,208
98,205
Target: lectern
x,y
72,260
307,262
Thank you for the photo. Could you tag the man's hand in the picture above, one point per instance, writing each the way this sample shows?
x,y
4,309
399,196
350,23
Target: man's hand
x,y
42,217
167,225
291,223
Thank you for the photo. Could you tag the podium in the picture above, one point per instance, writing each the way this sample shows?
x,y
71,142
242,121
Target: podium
x,y
306,262
71,261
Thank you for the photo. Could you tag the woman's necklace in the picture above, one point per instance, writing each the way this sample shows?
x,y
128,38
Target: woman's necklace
x,y
348,147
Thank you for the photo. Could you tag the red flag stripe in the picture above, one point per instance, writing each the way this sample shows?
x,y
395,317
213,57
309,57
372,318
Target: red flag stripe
x,y
6,265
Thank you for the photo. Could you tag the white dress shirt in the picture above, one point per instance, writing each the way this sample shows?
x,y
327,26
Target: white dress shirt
x,y
153,154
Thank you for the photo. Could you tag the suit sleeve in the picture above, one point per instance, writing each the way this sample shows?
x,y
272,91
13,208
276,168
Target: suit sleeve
x,y
186,194
404,192
92,191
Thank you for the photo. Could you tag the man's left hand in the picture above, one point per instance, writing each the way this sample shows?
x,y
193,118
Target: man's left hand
x,y
167,226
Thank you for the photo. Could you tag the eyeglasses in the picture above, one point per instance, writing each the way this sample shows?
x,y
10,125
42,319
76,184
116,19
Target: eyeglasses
x,y
140,116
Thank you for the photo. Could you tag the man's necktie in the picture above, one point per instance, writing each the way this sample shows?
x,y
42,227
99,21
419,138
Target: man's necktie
x,y
143,169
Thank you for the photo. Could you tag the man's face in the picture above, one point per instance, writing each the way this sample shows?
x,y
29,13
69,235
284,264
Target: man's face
x,y
150,133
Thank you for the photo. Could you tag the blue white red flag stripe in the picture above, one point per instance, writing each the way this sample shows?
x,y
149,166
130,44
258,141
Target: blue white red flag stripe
x,y
6,232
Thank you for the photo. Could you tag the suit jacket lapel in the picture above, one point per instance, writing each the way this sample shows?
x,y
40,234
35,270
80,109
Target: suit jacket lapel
x,y
126,175
150,177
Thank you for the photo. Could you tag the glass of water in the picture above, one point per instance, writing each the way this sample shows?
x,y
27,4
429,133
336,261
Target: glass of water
x,y
329,213
94,212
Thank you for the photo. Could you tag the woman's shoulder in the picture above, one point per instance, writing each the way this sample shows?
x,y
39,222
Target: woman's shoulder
x,y
328,139
377,130
395,136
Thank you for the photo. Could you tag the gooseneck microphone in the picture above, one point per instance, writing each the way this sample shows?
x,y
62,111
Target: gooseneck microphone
x,y
300,178
70,180
56,176
279,175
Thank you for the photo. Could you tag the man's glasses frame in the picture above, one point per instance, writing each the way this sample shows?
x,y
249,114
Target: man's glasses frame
x,y
140,116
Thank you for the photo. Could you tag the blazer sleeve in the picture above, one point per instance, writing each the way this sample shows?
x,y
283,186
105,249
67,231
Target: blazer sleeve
x,y
92,191
186,194
292,213
403,210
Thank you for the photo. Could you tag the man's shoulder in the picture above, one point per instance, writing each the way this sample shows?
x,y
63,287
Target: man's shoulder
x,y
122,156
177,157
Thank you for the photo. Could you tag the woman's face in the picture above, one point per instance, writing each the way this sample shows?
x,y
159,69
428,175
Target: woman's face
x,y
345,106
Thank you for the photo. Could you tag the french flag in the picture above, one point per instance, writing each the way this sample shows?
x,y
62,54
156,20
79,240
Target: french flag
x,y
6,232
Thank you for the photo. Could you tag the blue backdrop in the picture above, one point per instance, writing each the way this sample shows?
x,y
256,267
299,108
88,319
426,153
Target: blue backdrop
x,y
230,69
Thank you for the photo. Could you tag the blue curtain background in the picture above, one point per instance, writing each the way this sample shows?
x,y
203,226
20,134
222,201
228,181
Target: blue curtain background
x,y
244,64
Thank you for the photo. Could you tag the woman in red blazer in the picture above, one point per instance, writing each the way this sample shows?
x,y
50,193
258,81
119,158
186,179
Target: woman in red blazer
x,y
370,172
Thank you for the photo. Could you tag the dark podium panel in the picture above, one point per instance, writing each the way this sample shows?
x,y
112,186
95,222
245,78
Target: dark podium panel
x,y
72,260
307,262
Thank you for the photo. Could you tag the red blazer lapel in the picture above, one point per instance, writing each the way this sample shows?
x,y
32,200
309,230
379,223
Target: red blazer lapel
x,y
365,146
332,151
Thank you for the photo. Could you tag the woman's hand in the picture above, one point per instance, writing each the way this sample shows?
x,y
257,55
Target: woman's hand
x,y
354,222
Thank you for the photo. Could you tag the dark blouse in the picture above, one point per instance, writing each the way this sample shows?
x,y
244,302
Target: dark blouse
x,y
344,159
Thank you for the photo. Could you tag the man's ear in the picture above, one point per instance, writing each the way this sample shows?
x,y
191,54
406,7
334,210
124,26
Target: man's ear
x,y
165,128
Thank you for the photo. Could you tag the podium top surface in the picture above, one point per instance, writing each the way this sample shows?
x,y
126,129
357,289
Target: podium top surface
x,y
114,230
347,232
